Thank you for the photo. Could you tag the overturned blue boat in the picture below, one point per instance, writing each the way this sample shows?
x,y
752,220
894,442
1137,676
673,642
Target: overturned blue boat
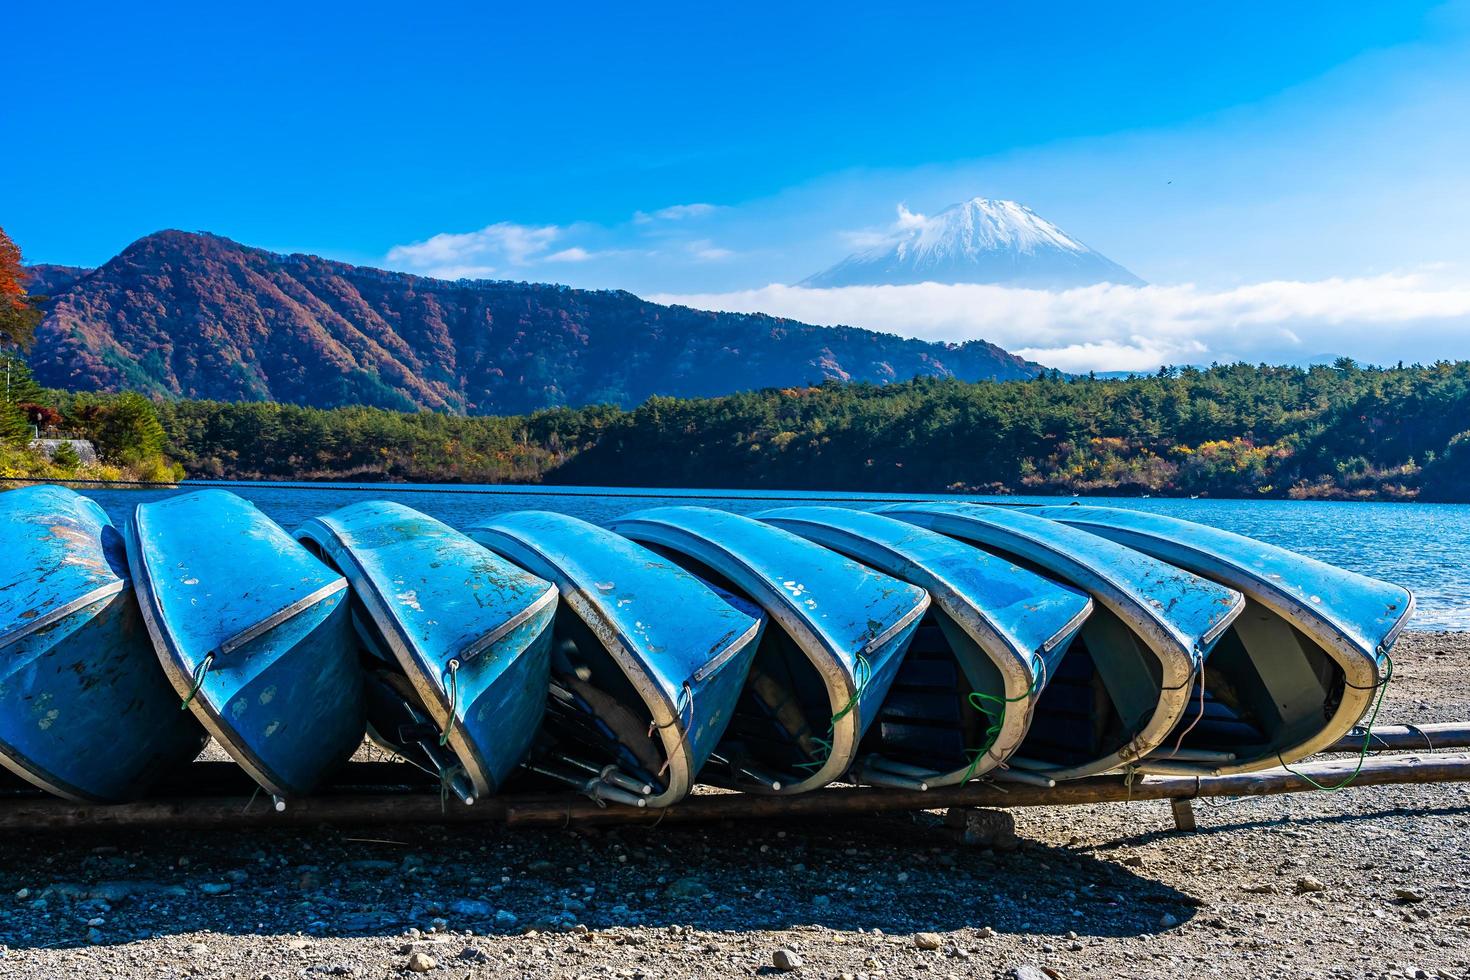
x,y
835,639
85,713
649,661
459,641
1304,661
253,634
1124,686
993,636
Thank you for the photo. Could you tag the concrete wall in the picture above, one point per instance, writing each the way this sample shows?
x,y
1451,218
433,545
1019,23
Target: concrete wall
x,y
84,447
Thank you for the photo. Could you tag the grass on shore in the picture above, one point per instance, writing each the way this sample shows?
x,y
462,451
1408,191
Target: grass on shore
x,y
23,464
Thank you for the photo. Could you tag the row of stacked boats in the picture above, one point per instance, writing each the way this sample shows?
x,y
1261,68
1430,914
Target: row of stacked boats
x,y
922,644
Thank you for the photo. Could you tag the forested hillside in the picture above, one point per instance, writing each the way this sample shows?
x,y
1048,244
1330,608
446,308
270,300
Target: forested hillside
x,y
1239,430
198,316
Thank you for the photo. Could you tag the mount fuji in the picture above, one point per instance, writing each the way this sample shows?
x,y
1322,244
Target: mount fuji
x,y
977,241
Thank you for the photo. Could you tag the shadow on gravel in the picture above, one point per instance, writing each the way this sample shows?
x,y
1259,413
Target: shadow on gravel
x,y
898,874
1235,825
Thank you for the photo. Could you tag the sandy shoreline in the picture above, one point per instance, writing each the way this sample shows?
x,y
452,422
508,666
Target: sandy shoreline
x,y
1107,891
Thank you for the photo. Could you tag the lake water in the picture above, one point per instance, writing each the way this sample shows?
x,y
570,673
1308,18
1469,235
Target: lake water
x,y
1421,546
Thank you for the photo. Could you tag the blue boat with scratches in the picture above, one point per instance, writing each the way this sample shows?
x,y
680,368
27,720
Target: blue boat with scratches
x,y
1124,687
1305,660
995,633
85,713
459,641
253,634
649,661
836,635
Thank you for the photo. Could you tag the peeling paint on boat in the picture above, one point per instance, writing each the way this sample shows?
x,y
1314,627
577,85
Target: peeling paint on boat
x,y
85,713
235,606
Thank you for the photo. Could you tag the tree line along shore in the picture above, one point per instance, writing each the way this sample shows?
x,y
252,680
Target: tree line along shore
x,y
1339,431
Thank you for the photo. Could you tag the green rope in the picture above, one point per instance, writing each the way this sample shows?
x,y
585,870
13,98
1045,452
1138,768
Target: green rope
x,y
453,702
863,674
1367,737
200,672
998,718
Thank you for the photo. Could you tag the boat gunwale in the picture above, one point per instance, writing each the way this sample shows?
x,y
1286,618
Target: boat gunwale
x,y
14,762
53,616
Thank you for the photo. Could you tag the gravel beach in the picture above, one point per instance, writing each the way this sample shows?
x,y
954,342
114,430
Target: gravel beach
x,y
1371,882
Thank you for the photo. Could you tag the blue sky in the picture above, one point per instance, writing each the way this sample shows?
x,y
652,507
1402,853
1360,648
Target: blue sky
x,y
685,151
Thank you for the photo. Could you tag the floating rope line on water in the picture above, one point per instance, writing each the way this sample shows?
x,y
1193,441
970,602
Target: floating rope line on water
x,y
528,489
977,700
200,672
862,674
1362,752
453,702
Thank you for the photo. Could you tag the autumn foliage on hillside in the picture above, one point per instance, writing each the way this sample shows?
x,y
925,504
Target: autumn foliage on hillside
x,y
198,316
18,319
12,292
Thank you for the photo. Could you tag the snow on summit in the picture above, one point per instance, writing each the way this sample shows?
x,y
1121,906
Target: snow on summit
x,y
977,241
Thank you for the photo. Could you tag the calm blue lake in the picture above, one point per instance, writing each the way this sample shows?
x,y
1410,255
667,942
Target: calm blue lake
x,y
1421,546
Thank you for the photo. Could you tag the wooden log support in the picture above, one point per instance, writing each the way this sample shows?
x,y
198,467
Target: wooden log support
x,y
1412,738
983,828
33,813
1183,811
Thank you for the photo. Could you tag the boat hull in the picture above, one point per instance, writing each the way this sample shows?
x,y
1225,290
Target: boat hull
x,y
1005,627
1314,639
253,633
85,712
470,633
1138,655
835,639
684,651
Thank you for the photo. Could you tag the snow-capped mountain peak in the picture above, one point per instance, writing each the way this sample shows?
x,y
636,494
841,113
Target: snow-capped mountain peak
x,y
976,241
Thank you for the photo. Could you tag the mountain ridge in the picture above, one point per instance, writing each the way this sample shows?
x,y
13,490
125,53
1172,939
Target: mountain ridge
x,y
979,241
184,314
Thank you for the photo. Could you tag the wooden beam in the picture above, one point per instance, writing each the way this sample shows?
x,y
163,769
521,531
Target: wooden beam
x,y
1183,810
1414,738
37,814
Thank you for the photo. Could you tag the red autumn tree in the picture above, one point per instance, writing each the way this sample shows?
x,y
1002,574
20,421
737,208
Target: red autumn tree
x,y
12,292
18,318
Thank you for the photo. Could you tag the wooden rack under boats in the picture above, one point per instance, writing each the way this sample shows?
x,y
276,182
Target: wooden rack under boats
x,y
216,795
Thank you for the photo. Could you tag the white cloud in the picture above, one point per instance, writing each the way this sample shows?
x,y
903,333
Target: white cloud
x,y
447,253
459,272
1379,319
573,254
707,251
868,238
675,212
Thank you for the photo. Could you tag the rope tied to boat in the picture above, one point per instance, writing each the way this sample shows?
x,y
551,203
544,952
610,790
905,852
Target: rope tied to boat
x,y
200,672
686,704
686,701
1363,751
1199,716
862,674
453,686
978,699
